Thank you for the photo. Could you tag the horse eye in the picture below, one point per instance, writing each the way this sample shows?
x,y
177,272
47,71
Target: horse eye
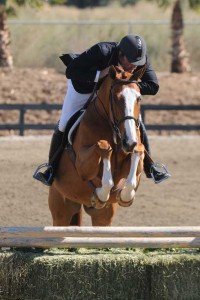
x,y
139,99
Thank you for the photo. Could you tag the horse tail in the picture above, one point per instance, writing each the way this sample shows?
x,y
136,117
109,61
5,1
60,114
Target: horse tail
x,y
77,219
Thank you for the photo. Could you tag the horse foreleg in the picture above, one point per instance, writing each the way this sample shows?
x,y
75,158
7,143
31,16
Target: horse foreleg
x,y
103,193
88,163
127,195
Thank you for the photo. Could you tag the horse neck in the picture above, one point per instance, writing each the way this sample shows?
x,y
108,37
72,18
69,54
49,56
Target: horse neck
x,y
104,94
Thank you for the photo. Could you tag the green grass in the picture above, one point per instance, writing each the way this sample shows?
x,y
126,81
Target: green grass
x,y
41,45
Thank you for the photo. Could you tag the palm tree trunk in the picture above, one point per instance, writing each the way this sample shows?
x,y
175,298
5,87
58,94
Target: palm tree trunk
x,y
6,59
180,62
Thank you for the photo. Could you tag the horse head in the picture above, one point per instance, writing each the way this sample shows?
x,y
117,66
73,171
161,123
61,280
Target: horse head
x,y
124,108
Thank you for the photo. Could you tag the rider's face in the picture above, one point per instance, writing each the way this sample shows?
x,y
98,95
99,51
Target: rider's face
x,y
126,65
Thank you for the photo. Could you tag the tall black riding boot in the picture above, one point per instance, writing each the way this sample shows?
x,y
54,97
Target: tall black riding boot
x,y
158,172
56,149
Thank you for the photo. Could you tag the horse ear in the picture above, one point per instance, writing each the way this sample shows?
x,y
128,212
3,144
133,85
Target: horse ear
x,y
138,74
113,71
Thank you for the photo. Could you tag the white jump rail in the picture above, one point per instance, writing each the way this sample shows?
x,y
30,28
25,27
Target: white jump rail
x,y
101,237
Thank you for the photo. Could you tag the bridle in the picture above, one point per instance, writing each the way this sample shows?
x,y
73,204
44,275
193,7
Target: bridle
x,y
116,123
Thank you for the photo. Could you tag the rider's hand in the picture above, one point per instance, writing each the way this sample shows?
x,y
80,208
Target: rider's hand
x,y
103,73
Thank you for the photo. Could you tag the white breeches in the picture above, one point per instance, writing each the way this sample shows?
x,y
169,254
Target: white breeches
x,y
72,103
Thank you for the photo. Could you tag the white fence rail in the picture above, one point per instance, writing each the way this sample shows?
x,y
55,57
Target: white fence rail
x,y
98,22
101,237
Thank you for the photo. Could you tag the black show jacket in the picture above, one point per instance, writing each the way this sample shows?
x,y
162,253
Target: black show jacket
x,y
82,68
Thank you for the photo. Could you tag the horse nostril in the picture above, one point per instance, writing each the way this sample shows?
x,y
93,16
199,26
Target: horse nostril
x,y
128,147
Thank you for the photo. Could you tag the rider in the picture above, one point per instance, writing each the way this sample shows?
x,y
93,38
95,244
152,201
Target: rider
x,y
83,72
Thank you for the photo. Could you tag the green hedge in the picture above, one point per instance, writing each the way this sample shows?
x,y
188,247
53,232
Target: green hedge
x,y
99,275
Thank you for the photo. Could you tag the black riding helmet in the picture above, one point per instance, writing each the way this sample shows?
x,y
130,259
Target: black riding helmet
x,y
134,48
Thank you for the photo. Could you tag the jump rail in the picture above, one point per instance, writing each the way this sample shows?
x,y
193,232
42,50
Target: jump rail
x,y
23,108
101,237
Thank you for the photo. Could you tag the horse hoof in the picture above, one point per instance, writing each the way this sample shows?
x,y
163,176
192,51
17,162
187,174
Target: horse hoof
x,y
97,203
125,203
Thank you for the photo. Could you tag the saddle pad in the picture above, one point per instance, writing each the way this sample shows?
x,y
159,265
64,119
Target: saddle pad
x,y
74,127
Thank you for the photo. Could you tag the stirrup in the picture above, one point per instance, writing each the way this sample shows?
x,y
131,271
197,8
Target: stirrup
x,y
40,176
159,172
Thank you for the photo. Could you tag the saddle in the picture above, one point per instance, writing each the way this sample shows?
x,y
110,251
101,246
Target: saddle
x,y
74,121
72,127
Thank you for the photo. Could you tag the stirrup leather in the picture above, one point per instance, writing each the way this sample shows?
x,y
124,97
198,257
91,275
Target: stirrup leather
x,y
37,173
159,172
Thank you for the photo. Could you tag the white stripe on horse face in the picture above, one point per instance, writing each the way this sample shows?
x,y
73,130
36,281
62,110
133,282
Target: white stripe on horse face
x,y
130,95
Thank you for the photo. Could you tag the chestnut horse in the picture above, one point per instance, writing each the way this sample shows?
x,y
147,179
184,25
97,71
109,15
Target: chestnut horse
x,y
103,167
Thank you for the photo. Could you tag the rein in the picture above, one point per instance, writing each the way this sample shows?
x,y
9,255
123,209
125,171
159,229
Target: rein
x,y
116,123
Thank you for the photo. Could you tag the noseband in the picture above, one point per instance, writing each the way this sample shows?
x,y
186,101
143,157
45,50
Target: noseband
x,y
116,123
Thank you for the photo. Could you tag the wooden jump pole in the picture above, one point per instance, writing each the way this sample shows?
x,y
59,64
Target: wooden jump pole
x,y
101,237
75,231
95,242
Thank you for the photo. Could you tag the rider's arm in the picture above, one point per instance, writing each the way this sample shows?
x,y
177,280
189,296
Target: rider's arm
x,y
149,82
84,67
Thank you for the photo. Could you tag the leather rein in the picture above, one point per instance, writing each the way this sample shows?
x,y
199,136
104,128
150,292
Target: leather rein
x,y
116,123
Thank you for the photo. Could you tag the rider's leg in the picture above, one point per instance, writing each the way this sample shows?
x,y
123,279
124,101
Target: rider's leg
x,y
149,166
72,103
56,149
145,141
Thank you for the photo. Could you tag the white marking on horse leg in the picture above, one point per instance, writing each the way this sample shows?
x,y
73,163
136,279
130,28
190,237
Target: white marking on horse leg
x,y
128,193
103,192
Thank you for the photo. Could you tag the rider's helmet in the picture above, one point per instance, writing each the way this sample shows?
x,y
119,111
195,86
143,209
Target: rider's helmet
x,y
134,48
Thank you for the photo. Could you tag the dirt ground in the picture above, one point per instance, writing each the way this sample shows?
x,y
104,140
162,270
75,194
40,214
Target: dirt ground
x,y
23,201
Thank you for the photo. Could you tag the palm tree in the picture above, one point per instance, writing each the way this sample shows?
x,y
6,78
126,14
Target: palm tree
x,y
5,53
179,63
6,59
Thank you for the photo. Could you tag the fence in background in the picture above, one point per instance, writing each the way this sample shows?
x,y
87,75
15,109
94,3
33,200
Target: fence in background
x,y
98,22
23,108
21,126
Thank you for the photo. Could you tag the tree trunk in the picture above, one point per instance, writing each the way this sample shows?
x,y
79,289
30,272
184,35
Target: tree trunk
x,y
6,59
180,62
